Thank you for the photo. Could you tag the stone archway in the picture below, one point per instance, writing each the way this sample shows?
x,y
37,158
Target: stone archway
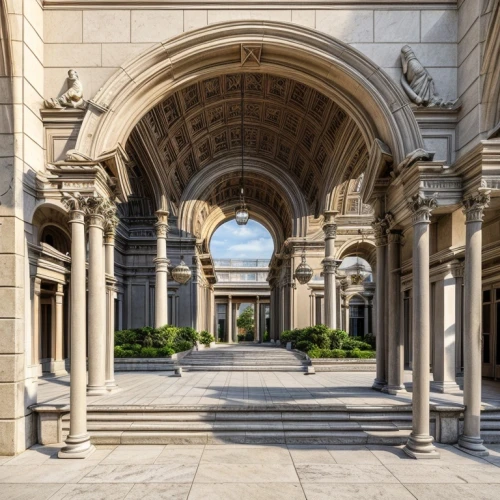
x,y
334,69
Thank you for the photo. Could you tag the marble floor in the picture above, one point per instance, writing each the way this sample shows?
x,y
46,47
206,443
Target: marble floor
x,y
246,472
250,388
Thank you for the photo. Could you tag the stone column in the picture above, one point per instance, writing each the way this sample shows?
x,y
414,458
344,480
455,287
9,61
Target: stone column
x,y
257,320
109,246
347,314
58,366
470,441
161,261
97,299
395,341
419,444
35,347
443,367
329,269
380,227
230,319
366,319
78,441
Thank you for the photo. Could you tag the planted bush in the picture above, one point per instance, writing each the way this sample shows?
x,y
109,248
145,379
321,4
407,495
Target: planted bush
x,y
206,338
151,342
322,342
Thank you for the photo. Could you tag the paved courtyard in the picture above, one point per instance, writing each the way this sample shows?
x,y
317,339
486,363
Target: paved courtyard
x,y
245,472
251,388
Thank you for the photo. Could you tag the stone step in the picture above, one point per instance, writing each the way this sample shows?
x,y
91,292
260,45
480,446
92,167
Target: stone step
x,y
114,437
490,436
245,368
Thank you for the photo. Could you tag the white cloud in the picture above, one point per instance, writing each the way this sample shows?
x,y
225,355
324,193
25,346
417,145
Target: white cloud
x,y
233,241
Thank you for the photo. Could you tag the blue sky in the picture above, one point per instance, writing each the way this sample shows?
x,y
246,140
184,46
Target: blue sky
x,y
231,241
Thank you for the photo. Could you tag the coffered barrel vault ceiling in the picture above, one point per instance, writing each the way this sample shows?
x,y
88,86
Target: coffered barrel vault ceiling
x,y
287,123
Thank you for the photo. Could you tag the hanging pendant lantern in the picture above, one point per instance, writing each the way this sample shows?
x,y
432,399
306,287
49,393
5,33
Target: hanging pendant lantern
x,y
304,271
181,273
241,213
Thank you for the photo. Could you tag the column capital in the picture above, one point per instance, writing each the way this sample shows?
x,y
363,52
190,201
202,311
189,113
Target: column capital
x,y
329,225
162,224
421,208
74,204
475,204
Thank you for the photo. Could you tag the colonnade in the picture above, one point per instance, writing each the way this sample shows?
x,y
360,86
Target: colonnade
x,y
389,377
100,214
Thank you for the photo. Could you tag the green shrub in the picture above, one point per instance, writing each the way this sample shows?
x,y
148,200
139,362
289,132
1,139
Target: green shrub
x,y
165,352
249,336
187,333
337,338
316,352
241,337
369,338
125,337
357,354
120,352
149,352
182,345
353,343
266,337
206,338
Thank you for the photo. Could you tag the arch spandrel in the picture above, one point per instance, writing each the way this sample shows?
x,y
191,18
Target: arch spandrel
x,y
346,76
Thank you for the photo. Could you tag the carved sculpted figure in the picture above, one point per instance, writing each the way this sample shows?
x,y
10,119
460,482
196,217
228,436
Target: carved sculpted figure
x,y
418,83
72,98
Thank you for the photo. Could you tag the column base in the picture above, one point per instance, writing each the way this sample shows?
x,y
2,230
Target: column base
x,y
378,384
96,390
444,387
111,386
394,389
420,447
77,447
472,446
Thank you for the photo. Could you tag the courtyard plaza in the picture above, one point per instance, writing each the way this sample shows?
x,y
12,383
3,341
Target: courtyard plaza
x,y
251,388
249,472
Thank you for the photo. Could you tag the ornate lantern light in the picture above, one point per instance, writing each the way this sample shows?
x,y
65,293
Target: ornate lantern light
x,y
304,271
241,213
181,273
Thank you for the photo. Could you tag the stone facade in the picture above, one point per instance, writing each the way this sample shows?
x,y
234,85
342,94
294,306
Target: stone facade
x,y
332,145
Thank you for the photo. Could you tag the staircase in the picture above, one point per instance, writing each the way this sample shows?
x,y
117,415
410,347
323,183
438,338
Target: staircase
x,y
249,425
245,358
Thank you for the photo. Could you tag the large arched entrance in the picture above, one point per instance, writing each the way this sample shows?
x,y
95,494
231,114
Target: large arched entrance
x,y
323,128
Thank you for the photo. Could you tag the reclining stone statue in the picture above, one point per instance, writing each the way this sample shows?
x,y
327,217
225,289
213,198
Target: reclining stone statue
x,y
72,98
418,83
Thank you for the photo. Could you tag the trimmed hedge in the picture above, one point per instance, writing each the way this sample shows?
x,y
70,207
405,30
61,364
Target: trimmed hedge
x,y
321,342
148,342
316,352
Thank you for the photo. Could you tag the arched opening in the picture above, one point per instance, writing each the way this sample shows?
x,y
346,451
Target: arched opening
x,y
242,293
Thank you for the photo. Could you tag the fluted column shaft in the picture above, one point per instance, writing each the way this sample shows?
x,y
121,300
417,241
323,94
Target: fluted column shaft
x,y
78,441
380,227
161,261
329,269
97,300
470,441
109,250
395,345
419,444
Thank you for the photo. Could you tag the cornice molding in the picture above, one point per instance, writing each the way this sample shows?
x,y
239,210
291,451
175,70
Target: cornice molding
x,y
236,4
